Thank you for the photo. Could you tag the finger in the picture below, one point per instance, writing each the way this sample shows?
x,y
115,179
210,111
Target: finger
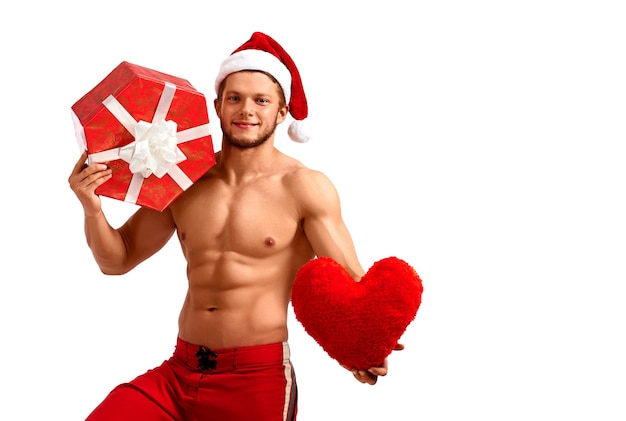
x,y
80,164
358,376
368,377
399,347
378,371
365,377
90,179
381,370
99,178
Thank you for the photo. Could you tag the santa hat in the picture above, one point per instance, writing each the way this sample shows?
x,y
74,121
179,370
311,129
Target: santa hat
x,y
262,53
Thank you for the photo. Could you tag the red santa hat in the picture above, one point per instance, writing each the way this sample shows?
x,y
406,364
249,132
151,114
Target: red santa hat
x,y
263,53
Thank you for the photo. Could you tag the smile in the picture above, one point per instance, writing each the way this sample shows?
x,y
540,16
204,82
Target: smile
x,y
244,124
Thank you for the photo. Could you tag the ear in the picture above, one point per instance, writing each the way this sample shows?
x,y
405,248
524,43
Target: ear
x,y
282,114
216,105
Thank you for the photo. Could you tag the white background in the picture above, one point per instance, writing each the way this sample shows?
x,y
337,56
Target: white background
x,y
482,142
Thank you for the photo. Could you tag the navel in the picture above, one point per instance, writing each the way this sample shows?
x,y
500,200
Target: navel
x,y
183,236
270,242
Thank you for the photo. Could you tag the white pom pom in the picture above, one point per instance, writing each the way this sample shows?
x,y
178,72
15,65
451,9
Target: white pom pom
x,y
300,131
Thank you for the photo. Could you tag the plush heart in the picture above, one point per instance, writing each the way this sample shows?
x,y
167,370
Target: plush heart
x,y
356,323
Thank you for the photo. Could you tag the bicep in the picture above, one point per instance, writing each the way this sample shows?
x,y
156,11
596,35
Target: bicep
x,y
145,233
325,228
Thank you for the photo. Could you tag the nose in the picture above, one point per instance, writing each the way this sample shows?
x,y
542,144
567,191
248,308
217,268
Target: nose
x,y
246,106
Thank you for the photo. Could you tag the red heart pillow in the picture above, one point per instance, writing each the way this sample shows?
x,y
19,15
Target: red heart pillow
x,y
356,323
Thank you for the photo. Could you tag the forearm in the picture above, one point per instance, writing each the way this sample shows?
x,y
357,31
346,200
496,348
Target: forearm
x,y
334,241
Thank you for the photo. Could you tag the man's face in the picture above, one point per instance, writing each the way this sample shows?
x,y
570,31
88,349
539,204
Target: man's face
x,y
250,108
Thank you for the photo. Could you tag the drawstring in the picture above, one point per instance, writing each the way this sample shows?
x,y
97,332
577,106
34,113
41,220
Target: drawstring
x,y
207,359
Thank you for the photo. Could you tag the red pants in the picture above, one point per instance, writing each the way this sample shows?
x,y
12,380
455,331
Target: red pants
x,y
198,384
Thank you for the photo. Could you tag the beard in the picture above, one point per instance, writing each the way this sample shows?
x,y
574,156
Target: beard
x,y
247,144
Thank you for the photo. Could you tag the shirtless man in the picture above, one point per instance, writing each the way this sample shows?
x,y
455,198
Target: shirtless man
x,y
245,229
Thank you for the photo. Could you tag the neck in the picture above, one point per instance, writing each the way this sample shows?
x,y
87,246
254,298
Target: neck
x,y
242,163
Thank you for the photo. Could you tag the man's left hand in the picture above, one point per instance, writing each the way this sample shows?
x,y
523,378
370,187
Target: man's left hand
x,y
370,376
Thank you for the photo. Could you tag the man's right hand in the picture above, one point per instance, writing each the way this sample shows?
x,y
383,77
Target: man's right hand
x,y
85,179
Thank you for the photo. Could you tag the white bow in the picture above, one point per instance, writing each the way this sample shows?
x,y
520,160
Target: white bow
x,y
154,150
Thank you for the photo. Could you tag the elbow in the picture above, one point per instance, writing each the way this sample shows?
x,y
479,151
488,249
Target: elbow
x,y
112,271
109,268
111,264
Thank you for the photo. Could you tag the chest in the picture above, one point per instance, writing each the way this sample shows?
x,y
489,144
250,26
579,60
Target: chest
x,y
253,220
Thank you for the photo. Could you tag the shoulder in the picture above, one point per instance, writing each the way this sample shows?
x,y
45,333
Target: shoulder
x,y
311,188
299,176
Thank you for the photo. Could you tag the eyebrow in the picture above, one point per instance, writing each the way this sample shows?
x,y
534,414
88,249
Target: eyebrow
x,y
254,95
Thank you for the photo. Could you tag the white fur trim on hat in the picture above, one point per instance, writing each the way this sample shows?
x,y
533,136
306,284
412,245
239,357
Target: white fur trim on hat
x,y
256,60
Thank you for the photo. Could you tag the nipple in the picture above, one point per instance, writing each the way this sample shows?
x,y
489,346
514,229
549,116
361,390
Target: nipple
x,y
270,242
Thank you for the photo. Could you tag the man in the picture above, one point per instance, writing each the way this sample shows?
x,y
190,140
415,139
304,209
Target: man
x,y
245,229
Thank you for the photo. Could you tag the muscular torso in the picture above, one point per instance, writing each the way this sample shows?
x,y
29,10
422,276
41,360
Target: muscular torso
x,y
243,242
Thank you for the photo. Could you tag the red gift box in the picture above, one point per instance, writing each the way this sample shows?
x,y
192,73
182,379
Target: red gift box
x,y
152,130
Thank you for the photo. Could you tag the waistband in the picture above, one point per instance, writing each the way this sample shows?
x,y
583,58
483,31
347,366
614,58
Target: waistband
x,y
203,359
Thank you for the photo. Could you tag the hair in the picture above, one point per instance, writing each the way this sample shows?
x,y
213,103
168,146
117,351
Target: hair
x,y
281,103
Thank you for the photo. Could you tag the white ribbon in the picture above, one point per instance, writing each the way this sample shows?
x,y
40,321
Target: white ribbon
x,y
154,150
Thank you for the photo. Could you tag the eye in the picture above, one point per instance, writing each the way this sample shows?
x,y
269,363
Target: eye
x,y
233,98
263,100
